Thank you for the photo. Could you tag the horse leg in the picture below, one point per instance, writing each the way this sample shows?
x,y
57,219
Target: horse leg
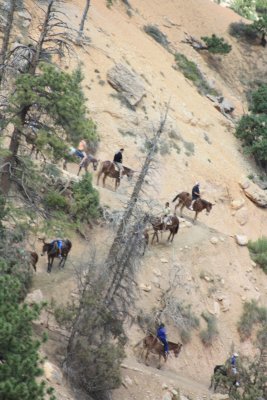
x,y
98,177
159,366
63,261
195,217
146,357
65,165
49,266
80,167
104,180
153,237
181,210
169,236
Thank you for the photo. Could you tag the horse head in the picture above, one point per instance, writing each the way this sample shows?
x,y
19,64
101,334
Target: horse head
x,y
95,164
129,173
46,247
208,207
177,349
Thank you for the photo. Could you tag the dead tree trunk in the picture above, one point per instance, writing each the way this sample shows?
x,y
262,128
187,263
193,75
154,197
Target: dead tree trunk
x,y
85,12
9,161
7,32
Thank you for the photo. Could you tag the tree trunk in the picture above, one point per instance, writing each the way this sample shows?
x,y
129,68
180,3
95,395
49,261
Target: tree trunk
x,y
7,32
5,181
85,12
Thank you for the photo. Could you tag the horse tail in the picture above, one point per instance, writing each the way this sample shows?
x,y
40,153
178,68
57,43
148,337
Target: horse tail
x,y
175,198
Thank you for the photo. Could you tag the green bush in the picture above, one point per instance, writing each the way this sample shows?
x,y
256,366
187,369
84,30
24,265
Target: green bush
x,y
252,315
19,351
191,71
259,100
245,8
211,332
258,252
216,45
55,201
86,200
241,30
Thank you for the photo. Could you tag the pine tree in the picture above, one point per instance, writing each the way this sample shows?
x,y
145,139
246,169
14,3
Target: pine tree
x,y
20,361
216,45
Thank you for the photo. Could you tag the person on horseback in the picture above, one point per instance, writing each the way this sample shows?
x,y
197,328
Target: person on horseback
x,y
83,150
118,162
162,336
195,195
166,215
58,243
234,363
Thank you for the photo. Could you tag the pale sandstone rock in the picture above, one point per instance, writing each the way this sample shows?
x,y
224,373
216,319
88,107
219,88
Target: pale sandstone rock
x,y
242,216
214,240
126,82
52,373
145,287
156,272
220,396
128,380
242,240
34,297
255,193
237,204
164,260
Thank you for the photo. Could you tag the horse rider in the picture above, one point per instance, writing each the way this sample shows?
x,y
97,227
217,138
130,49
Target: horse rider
x,y
58,243
79,152
162,336
234,365
166,215
195,195
118,162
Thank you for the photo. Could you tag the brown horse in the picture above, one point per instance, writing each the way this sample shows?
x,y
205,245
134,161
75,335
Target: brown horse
x,y
153,345
158,225
52,251
107,168
90,159
185,200
223,376
33,259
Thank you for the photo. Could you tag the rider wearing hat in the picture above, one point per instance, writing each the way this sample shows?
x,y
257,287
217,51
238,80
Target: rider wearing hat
x,y
234,366
118,161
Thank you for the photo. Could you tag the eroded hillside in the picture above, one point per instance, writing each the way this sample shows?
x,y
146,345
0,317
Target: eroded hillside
x,y
215,274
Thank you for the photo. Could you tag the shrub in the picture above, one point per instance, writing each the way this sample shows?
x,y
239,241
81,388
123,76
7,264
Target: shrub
x,y
157,35
241,30
19,351
245,8
191,71
164,148
86,200
216,45
252,130
259,100
252,314
211,332
258,252
55,201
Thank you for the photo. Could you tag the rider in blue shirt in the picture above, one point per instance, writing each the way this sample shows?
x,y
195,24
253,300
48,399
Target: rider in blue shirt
x,y
162,336
59,246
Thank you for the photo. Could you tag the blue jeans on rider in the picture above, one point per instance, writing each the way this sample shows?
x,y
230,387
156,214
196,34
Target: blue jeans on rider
x,y
59,245
79,153
165,343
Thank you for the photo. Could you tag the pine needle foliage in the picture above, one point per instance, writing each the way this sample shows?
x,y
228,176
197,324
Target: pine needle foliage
x,y
20,361
216,45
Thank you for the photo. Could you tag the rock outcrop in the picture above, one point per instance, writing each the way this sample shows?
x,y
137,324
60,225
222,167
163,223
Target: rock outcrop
x,y
127,83
254,193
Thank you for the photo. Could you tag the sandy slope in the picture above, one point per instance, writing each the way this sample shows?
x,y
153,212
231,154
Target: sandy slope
x,y
218,165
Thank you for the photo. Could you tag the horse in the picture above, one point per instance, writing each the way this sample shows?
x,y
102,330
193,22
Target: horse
x,y
185,200
224,376
108,169
153,345
158,225
90,159
52,251
33,259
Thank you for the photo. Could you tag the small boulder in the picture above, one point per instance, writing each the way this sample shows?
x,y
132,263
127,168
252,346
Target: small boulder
x,y
242,216
164,260
34,297
126,82
214,240
145,287
236,204
52,373
156,272
242,240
